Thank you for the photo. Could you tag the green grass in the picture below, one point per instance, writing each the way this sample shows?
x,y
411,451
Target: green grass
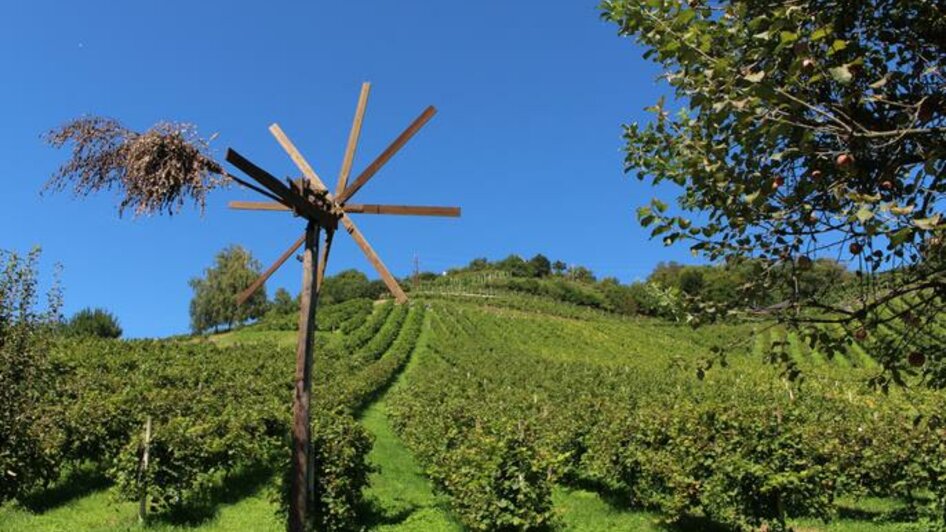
x,y
402,499
83,502
584,510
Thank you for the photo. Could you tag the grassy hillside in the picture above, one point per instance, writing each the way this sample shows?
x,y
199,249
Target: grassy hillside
x,y
521,410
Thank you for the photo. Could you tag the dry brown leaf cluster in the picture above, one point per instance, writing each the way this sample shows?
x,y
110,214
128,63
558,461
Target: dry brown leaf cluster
x,y
157,170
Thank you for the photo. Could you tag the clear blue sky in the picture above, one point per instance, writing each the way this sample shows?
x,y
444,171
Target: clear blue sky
x,y
531,97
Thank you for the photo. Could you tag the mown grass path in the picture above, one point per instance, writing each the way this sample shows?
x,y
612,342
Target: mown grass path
x,y
402,498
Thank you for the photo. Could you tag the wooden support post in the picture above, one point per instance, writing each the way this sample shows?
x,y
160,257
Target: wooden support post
x,y
143,472
308,299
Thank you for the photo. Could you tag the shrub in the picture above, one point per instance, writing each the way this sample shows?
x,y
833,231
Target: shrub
x,y
340,447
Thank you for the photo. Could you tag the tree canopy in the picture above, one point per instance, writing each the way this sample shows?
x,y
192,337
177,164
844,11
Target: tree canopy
x,y
94,322
214,302
25,373
350,284
799,130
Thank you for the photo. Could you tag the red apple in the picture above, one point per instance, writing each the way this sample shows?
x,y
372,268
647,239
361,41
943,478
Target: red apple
x,y
886,184
777,182
916,359
816,174
844,160
855,248
910,318
860,335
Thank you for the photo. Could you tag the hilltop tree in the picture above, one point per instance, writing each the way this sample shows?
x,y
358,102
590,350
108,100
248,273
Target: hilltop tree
x,y
283,302
540,266
515,266
801,130
581,274
94,322
478,264
214,302
559,267
349,284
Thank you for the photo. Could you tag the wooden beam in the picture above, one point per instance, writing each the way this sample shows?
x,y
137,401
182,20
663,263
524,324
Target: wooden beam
x,y
253,187
353,138
302,385
257,206
375,260
244,295
297,157
274,185
359,208
416,210
386,155
323,259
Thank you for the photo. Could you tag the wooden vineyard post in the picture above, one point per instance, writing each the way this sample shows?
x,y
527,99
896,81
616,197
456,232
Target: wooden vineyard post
x,y
308,299
143,501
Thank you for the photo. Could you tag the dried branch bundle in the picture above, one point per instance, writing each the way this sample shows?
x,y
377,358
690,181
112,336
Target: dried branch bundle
x,y
157,170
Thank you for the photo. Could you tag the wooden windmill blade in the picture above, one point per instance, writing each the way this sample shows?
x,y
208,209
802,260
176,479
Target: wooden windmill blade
x,y
387,154
290,197
410,210
374,259
258,283
353,137
343,174
297,157
257,206
359,208
313,178
366,248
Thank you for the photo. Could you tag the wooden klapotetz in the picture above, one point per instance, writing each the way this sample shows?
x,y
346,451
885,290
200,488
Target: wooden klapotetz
x,y
310,199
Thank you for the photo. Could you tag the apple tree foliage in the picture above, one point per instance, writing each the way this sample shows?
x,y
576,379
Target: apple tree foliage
x,y
801,129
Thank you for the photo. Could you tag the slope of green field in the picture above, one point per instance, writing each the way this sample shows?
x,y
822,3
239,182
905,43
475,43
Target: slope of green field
x,y
516,404
517,411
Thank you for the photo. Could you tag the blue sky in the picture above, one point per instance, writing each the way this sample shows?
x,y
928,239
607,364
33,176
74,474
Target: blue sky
x,y
531,97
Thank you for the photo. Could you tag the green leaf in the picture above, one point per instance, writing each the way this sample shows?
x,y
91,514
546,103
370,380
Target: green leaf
x,y
788,37
842,74
880,82
899,237
755,77
659,230
837,46
864,214
822,32
927,224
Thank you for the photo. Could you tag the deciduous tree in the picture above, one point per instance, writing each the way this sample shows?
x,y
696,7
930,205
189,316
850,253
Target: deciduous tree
x,y
25,374
802,129
94,322
214,302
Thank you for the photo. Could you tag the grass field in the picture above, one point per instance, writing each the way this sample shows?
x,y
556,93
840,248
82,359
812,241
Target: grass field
x,y
402,494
